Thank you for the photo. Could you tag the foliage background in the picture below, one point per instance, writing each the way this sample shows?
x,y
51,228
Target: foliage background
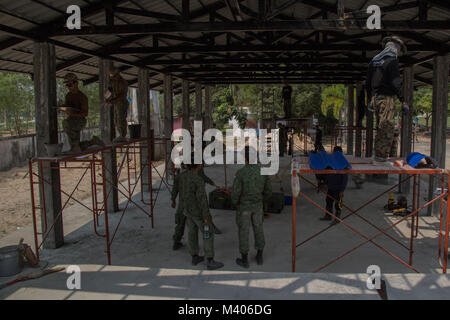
x,y
326,102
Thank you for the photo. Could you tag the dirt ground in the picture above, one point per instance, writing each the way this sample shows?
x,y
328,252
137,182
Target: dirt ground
x,y
15,199
15,203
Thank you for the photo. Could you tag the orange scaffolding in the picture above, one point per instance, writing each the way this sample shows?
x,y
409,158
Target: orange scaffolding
x,y
301,166
133,162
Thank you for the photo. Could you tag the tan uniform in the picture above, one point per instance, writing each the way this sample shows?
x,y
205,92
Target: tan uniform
x,y
76,122
120,88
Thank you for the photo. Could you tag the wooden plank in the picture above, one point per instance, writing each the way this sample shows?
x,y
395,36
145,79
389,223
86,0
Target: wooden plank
x,y
439,117
185,104
44,60
143,104
198,101
406,126
108,133
350,117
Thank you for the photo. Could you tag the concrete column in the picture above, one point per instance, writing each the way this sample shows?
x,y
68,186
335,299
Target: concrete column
x,y
406,130
439,119
168,114
185,104
108,133
198,102
143,101
360,98
208,112
44,61
350,118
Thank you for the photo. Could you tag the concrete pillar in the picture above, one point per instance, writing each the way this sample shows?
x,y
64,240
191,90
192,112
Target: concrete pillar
x,y
168,114
360,98
439,119
185,104
350,118
406,130
108,133
143,103
208,111
44,62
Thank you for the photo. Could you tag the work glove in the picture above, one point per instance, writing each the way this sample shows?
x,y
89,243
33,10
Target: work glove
x,y
405,109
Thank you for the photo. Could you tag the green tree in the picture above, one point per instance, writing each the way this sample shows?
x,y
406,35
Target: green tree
x,y
423,103
16,102
226,112
333,98
306,100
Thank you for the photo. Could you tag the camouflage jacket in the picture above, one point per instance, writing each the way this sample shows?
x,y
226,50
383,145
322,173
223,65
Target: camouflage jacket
x,y
120,89
193,195
176,186
176,190
250,188
205,178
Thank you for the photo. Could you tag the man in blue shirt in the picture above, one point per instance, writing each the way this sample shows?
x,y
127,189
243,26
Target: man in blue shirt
x,y
336,186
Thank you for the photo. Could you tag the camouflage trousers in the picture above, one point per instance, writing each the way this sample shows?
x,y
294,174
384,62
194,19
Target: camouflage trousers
x,y
384,109
180,222
254,218
287,106
282,145
120,117
72,127
195,224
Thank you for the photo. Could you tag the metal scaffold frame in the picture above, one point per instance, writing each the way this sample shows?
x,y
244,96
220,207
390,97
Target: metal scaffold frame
x,y
93,161
337,134
302,167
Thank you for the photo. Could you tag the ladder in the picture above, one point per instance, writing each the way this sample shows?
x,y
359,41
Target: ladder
x,y
267,116
267,106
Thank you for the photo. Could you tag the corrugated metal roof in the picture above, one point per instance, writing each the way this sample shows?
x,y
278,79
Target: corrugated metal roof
x,y
27,15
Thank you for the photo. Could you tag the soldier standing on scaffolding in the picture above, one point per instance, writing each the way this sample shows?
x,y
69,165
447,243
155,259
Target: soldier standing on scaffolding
x,y
287,103
383,83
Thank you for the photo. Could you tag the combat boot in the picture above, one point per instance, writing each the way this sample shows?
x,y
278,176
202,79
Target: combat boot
x,y
177,245
326,217
211,264
336,221
243,261
259,257
216,230
197,259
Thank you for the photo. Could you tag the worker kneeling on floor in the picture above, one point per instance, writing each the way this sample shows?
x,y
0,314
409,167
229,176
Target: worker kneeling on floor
x,y
195,208
250,188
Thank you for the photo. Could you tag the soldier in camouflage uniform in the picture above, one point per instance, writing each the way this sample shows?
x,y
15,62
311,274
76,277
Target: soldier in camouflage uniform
x,y
394,146
119,100
76,107
383,83
195,208
249,190
180,218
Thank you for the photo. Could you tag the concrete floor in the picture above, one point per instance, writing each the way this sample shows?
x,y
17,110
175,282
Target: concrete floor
x,y
123,283
140,252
